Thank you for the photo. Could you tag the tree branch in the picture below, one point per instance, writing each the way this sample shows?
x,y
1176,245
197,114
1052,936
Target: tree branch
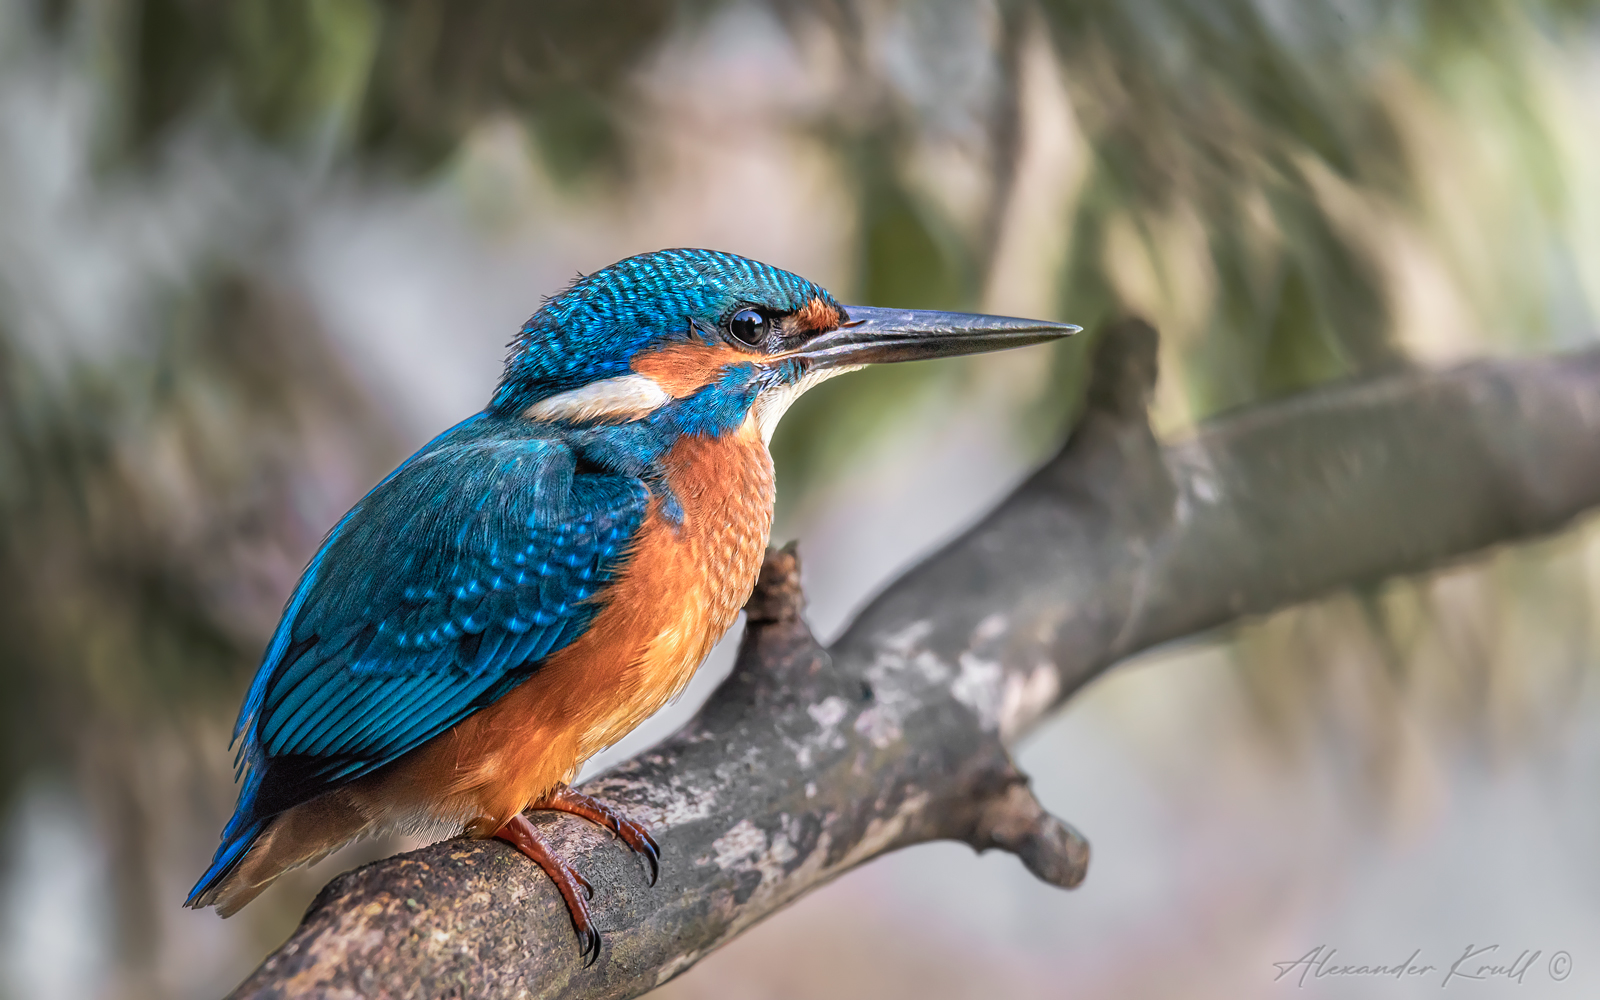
x,y
807,762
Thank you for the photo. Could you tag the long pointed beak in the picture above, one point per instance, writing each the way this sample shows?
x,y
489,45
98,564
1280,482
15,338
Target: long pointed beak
x,y
876,335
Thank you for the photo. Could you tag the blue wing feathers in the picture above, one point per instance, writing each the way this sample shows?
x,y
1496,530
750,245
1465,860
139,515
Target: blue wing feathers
x,y
281,637
487,551
235,841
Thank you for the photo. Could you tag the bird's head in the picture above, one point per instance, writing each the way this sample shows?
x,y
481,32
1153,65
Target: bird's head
x,y
703,340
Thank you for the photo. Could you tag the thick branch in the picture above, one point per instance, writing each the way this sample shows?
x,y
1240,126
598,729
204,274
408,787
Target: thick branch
x,y
808,762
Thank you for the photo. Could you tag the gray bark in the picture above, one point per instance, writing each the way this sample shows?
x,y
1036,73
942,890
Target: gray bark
x,y
808,762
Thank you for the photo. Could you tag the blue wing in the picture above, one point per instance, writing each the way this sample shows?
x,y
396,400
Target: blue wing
x,y
444,588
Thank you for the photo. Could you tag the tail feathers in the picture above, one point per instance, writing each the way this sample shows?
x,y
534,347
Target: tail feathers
x,y
255,855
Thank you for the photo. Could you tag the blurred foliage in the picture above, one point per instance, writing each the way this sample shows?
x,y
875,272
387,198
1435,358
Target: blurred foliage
x,y
153,513
1228,116
401,80
1225,139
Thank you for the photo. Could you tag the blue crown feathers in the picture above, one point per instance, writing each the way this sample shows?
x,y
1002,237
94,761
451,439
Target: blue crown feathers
x,y
593,329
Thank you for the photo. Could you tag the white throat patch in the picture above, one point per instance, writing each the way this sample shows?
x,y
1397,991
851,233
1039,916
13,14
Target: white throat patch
x,y
774,403
626,397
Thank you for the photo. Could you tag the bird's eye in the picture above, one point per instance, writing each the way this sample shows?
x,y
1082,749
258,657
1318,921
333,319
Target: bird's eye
x,y
748,326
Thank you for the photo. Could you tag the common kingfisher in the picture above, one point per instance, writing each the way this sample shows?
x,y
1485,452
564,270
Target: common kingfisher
x,y
542,577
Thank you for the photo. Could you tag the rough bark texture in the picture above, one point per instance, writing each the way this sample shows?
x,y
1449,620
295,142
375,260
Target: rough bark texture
x,y
807,762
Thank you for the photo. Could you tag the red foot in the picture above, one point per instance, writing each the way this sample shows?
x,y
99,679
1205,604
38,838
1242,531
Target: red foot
x,y
564,799
519,833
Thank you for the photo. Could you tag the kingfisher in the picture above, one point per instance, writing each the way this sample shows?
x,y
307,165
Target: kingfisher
x,y
542,577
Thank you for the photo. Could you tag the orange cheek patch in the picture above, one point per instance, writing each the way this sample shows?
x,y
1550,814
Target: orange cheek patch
x,y
816,316
684,369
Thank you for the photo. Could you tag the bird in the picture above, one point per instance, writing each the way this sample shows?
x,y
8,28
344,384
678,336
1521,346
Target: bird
x,y
539,579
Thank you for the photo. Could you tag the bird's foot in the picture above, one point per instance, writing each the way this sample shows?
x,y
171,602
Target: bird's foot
x,y
522,835
564,799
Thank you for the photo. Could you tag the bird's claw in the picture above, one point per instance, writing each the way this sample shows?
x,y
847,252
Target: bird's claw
x,y
574,888
519,833
639,839
564,799
588,946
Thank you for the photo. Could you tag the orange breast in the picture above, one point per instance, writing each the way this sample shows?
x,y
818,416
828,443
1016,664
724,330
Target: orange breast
x,y
682,590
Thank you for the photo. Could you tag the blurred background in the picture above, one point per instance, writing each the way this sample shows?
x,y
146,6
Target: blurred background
x,y
254,253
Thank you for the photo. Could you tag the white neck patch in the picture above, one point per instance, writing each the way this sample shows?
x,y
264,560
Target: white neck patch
x,y
774,403
626,397
632,397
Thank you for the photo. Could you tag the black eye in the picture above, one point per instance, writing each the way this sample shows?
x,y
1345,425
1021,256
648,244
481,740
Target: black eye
x,y
748,326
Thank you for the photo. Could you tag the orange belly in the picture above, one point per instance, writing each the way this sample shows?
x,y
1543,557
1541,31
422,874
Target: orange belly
x,y
682,590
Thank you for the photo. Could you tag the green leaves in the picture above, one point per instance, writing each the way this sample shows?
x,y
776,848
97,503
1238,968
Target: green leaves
x,y
402,81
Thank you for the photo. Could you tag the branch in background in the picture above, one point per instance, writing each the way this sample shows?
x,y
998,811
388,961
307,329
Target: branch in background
x,y
808,762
